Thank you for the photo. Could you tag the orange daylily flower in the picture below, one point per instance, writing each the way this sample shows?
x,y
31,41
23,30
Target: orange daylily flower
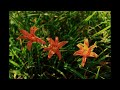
x,y
54,47
85,51
31,37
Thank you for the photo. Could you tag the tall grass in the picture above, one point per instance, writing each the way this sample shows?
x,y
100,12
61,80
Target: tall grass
x,y
71,26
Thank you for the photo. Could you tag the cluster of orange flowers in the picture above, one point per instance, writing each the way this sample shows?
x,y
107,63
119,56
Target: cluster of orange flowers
x,y
54,46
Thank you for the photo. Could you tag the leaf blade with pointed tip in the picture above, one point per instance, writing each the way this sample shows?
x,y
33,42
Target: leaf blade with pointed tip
x,y
14,63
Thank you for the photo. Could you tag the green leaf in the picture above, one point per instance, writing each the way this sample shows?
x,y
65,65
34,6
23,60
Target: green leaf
x,y
89,17
103,51
97,72
29,15
11,54
14,63
57,71
100,32
14,53
73,70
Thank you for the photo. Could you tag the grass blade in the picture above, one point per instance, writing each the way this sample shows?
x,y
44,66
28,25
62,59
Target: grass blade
x,y
97,72
102,31
14,63
14,53
74,71
57,71
89,17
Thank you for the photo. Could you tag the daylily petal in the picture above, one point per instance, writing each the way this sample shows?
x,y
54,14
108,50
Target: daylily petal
x,y
21,37
86,43
33,30
60,44
59,54
50,54
93,54
80,45
56,40
83,61
29,45
46,49
39,40
25,33
50,40
92,47
79,52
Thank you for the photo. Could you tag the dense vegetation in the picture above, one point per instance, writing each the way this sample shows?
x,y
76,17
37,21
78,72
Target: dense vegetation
x,y
71,26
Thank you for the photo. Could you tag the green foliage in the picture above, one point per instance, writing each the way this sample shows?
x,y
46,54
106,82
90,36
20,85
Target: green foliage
x,y
71,26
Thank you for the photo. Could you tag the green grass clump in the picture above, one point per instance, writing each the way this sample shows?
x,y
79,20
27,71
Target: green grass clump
x,y
71,26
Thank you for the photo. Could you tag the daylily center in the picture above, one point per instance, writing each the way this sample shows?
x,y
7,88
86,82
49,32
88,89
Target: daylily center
x,y
86,52
33,38
54,48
